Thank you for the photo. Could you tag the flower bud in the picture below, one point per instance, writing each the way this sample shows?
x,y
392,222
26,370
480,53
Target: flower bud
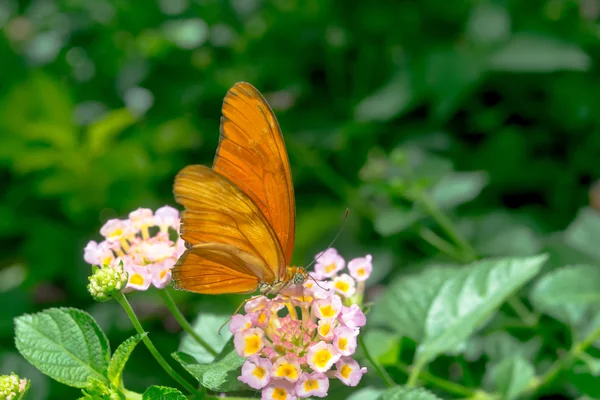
x,y
12,387
105,281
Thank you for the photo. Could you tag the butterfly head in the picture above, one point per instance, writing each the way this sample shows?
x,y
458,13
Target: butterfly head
x,y
297,275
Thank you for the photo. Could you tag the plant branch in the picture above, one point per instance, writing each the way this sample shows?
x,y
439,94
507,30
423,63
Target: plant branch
x,y
441,244
576,350
122,300
172,306
378,367
441,383
529,318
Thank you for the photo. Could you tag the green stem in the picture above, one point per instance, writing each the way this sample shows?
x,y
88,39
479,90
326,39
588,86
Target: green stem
x,y
378,367
170,303
576,350
442,245
448,386
529,318
415,372
445,223
122,300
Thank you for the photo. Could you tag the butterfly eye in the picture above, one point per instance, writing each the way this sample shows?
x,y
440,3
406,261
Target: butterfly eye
x,y
298,278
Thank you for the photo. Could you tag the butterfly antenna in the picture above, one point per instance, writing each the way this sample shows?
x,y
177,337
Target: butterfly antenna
x,y
317,283
333,241
235,312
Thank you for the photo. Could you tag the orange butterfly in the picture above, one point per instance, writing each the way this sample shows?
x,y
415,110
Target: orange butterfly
x,y
240,216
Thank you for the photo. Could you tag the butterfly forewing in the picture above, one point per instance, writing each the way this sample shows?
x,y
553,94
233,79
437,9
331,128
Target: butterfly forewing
x,y
252,154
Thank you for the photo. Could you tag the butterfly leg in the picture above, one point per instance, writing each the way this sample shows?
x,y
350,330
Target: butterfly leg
x,y
235,312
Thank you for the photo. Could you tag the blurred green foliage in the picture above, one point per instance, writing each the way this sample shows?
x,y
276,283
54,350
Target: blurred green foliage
x,y
102,102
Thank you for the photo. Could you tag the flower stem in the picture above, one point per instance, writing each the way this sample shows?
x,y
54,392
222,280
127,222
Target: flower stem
x,y
122,300
441,244
528,318
170,303
576,350
415,372
387,379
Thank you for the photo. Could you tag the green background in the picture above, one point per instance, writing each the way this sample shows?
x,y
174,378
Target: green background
x,y
102,102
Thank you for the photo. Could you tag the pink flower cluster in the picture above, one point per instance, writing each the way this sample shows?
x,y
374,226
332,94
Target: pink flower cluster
x,y
293,342
143,243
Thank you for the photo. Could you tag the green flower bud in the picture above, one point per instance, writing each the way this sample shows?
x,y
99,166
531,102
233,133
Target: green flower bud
x,y
12,387
105,281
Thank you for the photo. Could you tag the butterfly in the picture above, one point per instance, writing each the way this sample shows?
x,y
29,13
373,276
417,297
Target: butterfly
x,y
239,220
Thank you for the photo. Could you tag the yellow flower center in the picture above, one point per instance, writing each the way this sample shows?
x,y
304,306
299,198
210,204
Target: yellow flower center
x,y
343,343
279,394
136,279
327,311
116,233
163,273
107,260
346,371
325,329
330,268
287,370
361,272
262,317
322,357
259,372
252,344
342,286
311,384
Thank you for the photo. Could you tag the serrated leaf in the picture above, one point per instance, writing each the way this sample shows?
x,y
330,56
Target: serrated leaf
x,y
64,343
162,393
405,303
403,393
583,231
511,376
120,357
220,375
532,53
206,326
465,301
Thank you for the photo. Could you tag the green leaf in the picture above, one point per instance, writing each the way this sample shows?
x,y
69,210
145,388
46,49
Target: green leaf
x,y
206,325
532,53
120,357
101,132
403,393
220,375
394,98
389,221
465,301
458,188
570,295
583,232
162,393
489,23
384,346
64,343
366,393
511,376
501,345
405,303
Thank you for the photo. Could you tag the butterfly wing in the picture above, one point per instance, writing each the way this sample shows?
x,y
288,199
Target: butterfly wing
x,y
217,212
213,268
252,154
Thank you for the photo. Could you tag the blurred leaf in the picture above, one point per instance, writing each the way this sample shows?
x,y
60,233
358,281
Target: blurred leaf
x,y
389,221
366,393
206,325
101,133
407,300
383,346
583,232
469,298
458,188
220,375
65,344
511,376
531,53
394,98
162,393
403,393
489,23
570,295
120,357
499,346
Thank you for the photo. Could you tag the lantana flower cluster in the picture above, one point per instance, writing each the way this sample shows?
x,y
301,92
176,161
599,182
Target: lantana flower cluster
x,y
143,244
298,341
